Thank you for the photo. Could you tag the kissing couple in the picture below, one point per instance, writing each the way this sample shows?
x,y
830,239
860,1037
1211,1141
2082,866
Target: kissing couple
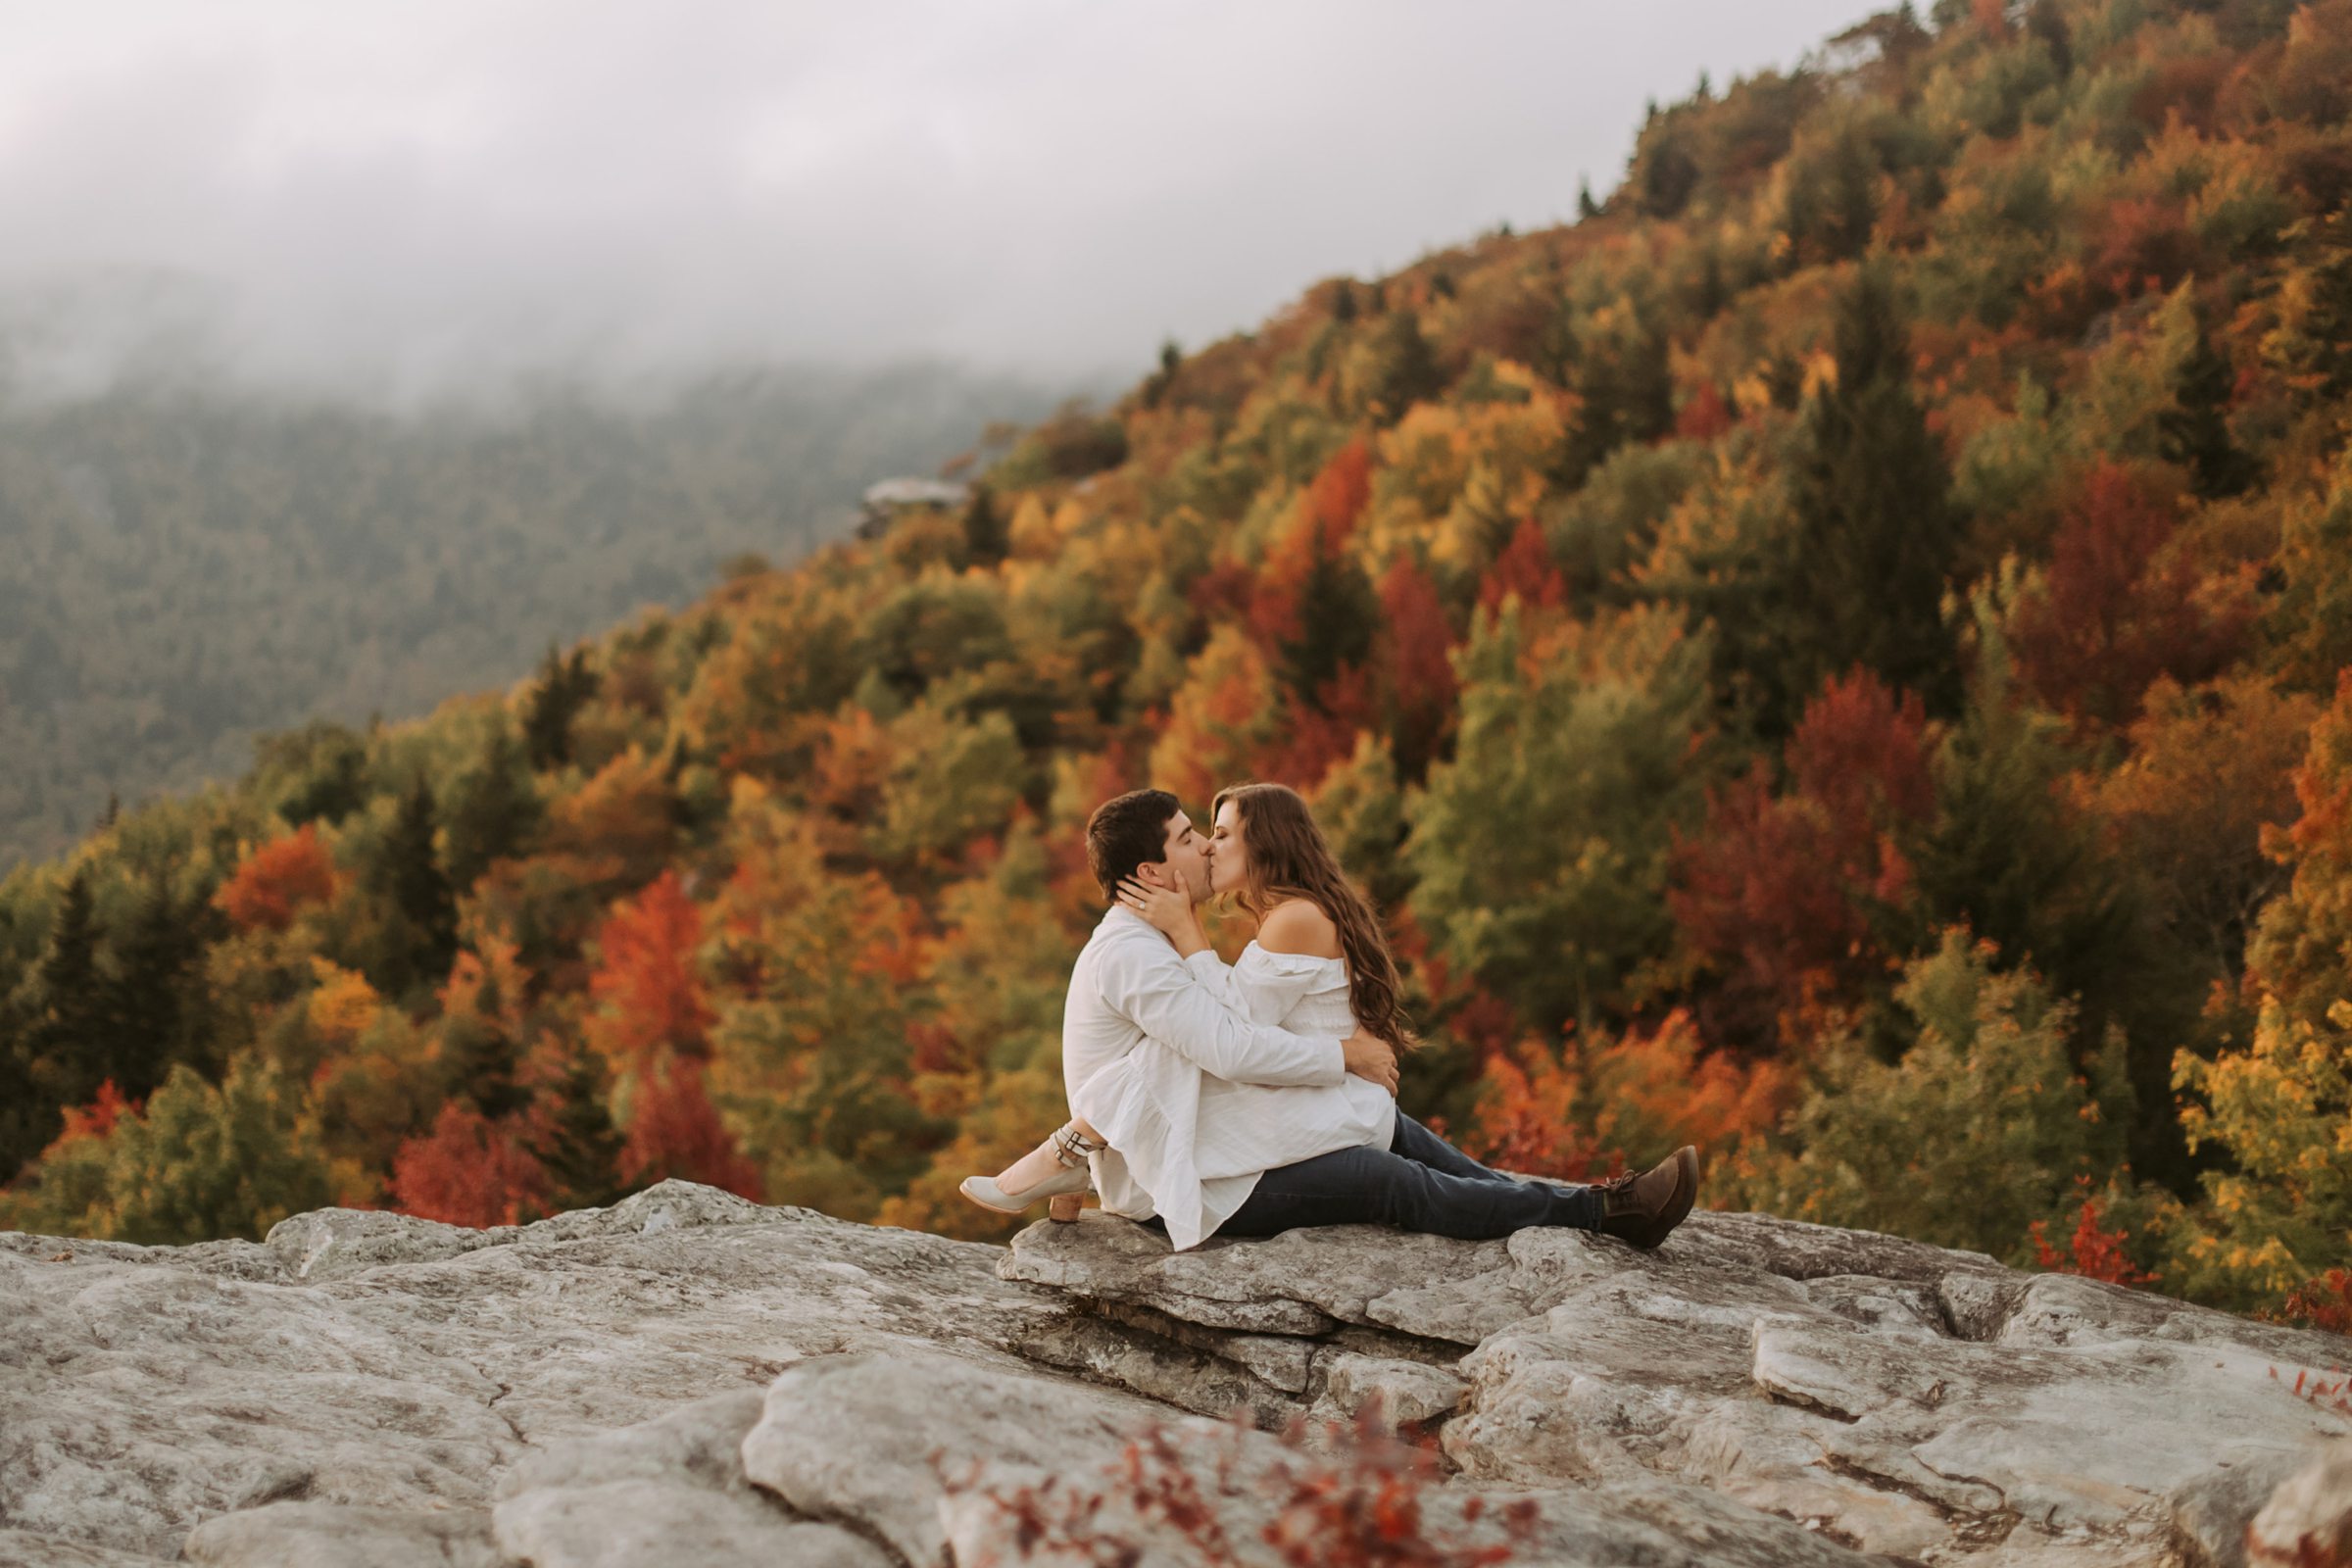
x,y
1250,1098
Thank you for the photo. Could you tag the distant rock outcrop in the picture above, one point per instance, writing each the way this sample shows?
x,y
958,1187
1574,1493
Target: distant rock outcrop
x,y
688,1377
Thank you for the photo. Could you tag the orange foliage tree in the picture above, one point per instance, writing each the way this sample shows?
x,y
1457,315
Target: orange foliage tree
x,y
1586,1113
277,881
648,991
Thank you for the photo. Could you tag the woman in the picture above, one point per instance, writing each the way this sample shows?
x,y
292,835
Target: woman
x,y
1318,965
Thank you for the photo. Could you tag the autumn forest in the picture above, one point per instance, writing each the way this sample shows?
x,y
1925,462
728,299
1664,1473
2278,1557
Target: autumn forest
x,y
1835,655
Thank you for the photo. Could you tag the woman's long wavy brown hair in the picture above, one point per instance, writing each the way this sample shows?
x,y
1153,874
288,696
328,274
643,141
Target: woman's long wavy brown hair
x,y
1290,858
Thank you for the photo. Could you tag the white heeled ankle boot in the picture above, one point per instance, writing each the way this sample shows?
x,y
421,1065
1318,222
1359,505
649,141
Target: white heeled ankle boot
x,y
1064,1185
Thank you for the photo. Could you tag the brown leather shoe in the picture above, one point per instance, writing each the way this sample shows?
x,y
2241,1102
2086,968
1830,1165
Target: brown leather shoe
x,y
1643,1208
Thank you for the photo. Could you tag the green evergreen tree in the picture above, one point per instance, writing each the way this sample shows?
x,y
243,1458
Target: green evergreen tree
x,y
1627,388
2044,20
1338,612
483,1061
986,536
1713,292
70,1045
1785,378
1875,529
2194,431
1408,369
2006,856
409,877
152,1002
580,1151
1557,347
1586,206
564,687
28,1116
494,810
323,768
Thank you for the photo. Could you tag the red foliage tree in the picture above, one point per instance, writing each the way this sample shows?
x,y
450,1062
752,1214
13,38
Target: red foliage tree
x,y
2120,608
278,880
1704,416
1525,568
468,1170
1785,895
675,1131
1315,736
645,977
1420,686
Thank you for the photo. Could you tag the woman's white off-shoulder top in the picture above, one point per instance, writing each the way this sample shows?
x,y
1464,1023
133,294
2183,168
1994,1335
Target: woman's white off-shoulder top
x,y
1196,1143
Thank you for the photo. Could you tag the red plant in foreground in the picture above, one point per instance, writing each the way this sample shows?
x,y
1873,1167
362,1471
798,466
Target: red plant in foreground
x,y
2323,1302
2097,1254
2319,1392
1356,1503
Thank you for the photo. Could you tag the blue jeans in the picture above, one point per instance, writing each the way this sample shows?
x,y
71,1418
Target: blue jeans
x,y
1419,1183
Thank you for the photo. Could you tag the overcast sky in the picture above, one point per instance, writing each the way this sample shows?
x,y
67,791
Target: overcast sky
x,y
402,193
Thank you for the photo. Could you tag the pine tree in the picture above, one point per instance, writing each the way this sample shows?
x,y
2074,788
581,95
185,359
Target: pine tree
x,y
2008,857
1712,292
68,1046
410,878
1410,372
1338,612
495,810
1784,378
482,1060
1875,527
1557,347
580,1151
149,999
1627,388
328,768
986,538
2194,431
563,689
28,1117
1586,206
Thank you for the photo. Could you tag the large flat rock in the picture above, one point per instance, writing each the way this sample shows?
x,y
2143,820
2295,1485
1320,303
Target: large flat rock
x,y
690,1377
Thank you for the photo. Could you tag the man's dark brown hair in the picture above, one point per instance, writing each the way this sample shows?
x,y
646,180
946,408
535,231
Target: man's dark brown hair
x,y
1125,832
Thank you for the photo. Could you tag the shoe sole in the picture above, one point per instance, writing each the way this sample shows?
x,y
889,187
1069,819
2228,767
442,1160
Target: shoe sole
x,y
1061,1207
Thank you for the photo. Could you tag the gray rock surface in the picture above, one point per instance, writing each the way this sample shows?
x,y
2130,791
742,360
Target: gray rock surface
x,y
690,1377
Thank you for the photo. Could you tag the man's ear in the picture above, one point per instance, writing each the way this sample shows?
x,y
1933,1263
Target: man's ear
x,y
1154,874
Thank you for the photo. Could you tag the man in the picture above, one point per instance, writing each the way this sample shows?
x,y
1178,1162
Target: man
x,y
1224,1125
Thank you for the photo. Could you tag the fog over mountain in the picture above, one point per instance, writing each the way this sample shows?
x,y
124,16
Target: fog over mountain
x,y
438,196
